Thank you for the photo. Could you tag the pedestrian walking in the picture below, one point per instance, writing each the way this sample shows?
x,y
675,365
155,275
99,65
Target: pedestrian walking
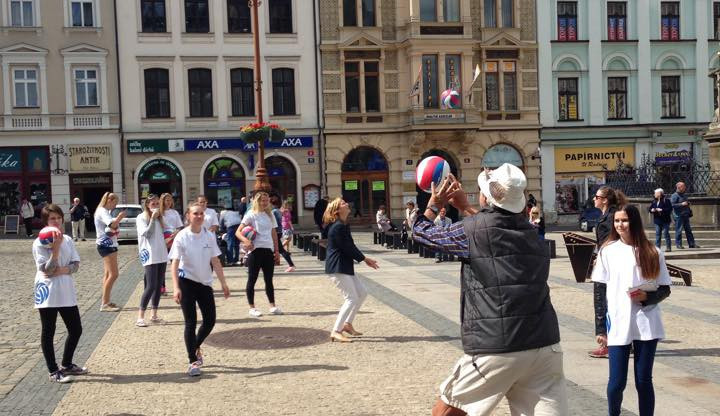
x,y
212,223
632,276
682,214
172,222
661,210
229,222
510,332
28,213
319,211
339,264
194,256
287,226
283,218
106,230
444,222
607,200
78,212
55,294
264,251
537,221
153,256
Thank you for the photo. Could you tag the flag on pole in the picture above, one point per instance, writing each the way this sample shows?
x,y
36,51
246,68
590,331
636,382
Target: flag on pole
x,y
415,90
475,78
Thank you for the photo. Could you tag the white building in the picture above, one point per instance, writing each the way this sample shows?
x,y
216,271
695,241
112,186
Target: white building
x,y
186,68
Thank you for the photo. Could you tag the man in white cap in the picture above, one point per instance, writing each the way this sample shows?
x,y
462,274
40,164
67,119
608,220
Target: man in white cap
x,y
510,332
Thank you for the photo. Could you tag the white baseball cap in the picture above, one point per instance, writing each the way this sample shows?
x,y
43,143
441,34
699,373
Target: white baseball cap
x,y
504,187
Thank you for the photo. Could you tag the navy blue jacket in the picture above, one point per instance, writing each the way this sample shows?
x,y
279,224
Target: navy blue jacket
x,y
341,250
661,218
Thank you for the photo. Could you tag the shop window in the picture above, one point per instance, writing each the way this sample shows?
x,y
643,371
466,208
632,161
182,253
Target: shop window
x,y
670,96
224,181
430,81
617,98
451,10
159,176
82,13
243,97
22,13
157,93
567,20
670,20
153,16
281,16
568,99
26,87
86,87
197,16
428,11
200,86
617,20
283,80
238,16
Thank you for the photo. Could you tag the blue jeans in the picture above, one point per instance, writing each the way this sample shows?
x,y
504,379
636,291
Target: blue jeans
x,y
643,358
680,224
660,231
233,246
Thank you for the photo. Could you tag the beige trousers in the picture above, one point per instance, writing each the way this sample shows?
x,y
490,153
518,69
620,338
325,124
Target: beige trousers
x,y
532,381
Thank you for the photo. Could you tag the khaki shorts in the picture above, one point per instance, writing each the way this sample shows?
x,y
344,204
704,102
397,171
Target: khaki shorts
x,y
532,381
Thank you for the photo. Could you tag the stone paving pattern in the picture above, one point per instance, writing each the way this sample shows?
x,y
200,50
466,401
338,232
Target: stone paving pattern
x,y
412,340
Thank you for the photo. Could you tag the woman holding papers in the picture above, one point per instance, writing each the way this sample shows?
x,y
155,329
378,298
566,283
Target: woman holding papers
x,y
633,278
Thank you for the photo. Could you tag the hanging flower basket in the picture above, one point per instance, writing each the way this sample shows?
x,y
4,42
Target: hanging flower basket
x,y
256,132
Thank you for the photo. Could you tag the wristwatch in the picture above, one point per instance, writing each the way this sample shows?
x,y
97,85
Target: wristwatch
x,y
433,208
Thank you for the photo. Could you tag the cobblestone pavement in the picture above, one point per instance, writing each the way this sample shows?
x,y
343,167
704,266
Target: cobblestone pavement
x,y
19,322
411,324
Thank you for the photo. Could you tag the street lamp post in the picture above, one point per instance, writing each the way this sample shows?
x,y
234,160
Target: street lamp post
x,y
261,179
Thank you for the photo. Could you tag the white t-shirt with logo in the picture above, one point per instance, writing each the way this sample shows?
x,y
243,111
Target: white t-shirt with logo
x,y
58,291
195,251
264,225
617,267
102,220
211,218
151,242
172,220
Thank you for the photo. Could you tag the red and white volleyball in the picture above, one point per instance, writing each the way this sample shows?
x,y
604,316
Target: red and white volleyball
x,y
450,99
248,232
46,235
432,169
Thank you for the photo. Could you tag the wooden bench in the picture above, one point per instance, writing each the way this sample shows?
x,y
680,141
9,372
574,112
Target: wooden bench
x,y
322,250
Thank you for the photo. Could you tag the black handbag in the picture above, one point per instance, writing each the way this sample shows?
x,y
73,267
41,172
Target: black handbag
x,y
691,214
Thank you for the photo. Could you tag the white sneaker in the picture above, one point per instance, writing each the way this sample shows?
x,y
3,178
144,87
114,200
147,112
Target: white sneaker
x,y
141,323
276,311
290,269
109,308
255,313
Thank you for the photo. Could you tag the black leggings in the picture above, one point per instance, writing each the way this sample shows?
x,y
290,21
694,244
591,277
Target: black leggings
x,y
191,293
28,226
154,275
48,317
260,258
284,253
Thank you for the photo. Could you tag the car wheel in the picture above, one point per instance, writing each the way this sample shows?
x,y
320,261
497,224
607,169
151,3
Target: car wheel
x,y
584,226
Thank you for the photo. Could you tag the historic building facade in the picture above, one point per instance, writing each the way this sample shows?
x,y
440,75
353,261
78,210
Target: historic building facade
x,y
188,86
387,69
59,126
621,81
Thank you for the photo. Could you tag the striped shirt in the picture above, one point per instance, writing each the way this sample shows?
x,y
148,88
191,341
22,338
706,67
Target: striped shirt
x,y
450,240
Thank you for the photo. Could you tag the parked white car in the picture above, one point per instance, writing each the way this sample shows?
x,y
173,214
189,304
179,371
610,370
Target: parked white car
x,y
128,230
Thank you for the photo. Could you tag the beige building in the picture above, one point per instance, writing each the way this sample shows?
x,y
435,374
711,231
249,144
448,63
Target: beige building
x,y
388,67
59,126
188,87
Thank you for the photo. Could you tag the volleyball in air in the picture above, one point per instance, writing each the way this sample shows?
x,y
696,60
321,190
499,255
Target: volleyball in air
x,y
450,98
248,232
431,170
46,235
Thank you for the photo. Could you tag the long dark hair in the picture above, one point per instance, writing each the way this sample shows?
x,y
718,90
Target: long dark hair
x,y
646,254
614,197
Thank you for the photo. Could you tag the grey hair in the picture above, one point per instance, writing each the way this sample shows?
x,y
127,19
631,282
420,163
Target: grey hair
x,y
659,190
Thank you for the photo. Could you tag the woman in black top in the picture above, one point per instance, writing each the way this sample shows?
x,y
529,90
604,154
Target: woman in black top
x,y
339,262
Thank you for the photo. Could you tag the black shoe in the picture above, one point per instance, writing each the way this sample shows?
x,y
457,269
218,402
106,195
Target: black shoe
x,y
438,260
694,246
668,249
84,239
680,247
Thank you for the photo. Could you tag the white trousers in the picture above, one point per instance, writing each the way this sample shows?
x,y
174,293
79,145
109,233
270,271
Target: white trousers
x,y
78,227
354,293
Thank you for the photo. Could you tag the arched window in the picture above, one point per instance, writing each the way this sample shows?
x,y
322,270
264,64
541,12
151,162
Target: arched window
x,y
502,153
224,181
365,183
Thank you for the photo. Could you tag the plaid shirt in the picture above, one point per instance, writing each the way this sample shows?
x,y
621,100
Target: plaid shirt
x,y
450,240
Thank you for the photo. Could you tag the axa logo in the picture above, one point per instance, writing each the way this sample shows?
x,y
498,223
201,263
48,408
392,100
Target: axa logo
x,y
207,144
291,142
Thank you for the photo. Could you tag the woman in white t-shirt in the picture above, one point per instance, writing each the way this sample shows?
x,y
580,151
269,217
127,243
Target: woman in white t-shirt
x,y
55,294
264,250
153,256
194,256
106,229
173,224
633,279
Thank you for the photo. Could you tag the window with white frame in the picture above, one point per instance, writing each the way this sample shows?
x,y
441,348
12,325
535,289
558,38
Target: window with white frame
x,y
617,98
22,13
26,87
670,86
82,13
568,99
283,85
86,87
